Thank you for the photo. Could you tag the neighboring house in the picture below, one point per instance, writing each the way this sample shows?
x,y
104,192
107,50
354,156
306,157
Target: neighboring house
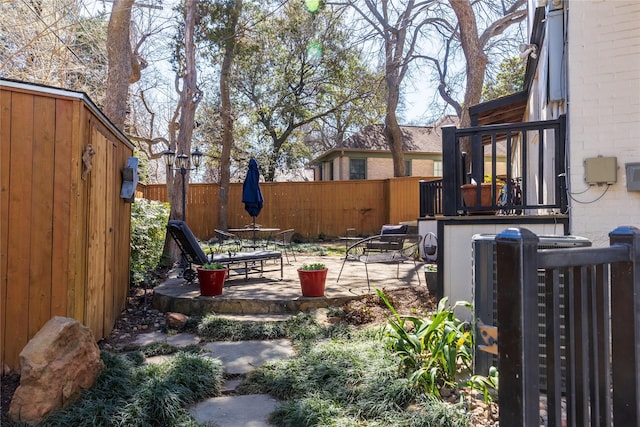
x,y
573,136
366,154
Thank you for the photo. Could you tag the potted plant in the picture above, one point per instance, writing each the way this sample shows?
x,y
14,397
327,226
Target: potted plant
x,y
470,191
211,277
431,276
312,279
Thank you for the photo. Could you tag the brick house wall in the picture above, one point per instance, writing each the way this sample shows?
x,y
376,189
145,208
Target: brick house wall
x,y
603,110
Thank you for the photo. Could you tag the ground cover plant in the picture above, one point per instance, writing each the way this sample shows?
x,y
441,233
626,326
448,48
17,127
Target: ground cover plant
x,y
129,393
345,373
348,382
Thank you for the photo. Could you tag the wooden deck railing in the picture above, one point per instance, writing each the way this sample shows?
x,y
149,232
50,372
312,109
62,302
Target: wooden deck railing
x,y
600,314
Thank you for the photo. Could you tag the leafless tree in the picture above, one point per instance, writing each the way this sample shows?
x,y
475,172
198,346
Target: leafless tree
x,y
398,25
476,27
53,43
182,123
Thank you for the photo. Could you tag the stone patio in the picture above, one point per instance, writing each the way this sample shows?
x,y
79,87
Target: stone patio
x,y
270,295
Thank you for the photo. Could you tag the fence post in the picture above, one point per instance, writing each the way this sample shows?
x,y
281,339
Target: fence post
x,y
518,364
625,329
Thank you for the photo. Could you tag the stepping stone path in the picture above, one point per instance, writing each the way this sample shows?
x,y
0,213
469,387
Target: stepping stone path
x,y
238,358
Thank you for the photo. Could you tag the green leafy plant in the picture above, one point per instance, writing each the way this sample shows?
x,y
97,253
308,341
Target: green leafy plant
x,y
431,267
488,386
316,266
148,231
434,351
214,266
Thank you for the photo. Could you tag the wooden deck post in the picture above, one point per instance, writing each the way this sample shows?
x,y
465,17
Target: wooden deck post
x,y
625,329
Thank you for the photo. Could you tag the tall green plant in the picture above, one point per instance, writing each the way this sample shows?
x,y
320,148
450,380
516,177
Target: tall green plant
x,y
435,350
148,230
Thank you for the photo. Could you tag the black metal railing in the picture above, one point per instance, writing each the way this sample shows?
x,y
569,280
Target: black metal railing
x,y
600,317
535,160
430,198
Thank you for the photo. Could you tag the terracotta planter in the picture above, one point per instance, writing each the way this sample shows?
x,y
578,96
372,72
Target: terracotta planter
x,y
470,198
211,281
312,282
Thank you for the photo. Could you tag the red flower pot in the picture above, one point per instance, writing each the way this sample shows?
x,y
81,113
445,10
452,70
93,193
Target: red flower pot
x,y
312,282
211,281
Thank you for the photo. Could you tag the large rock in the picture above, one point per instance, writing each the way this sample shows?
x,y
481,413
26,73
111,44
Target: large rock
x,y
60,361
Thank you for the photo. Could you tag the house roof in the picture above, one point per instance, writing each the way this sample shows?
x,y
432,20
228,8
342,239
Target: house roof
x,y
417,139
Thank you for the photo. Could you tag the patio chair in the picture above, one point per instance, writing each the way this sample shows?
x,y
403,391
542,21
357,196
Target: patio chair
x,y
399,248
190,250
388,239
283,240
226,242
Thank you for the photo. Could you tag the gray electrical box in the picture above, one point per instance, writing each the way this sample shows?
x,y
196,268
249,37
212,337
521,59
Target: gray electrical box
x,y
633,176
601,170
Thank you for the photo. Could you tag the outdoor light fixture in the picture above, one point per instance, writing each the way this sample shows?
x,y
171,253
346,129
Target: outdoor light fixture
x,y
183,162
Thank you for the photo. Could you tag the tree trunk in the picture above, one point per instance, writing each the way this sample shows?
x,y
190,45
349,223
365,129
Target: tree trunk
x,y
119,55
475,57
190,96
392,130
227,117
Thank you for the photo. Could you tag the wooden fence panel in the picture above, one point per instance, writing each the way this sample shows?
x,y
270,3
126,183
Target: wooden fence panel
x,y
61,208
19,236
96,250
41,212
5,153
311,208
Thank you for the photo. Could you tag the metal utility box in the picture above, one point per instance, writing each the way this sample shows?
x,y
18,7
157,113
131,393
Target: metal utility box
x,y
485,297
633,176
601,170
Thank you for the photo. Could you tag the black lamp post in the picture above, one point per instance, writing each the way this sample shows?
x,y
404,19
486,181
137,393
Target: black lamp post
x,y
183,163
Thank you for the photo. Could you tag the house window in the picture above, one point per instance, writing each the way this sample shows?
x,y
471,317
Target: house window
x,y
437,168
407,168
357,169
331,177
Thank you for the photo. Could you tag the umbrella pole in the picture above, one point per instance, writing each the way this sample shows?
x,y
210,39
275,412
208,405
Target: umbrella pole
x,y
254,233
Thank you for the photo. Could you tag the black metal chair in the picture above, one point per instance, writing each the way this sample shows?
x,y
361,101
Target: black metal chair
x,y
395,249
283,240
191,251
227,242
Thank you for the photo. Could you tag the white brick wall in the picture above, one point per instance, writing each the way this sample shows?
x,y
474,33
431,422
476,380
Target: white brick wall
x,y
603,110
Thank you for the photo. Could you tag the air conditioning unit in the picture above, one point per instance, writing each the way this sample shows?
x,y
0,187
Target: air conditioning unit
x,y
485,298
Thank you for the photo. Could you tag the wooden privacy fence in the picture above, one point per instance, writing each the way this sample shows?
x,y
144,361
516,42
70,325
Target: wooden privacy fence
x,y
64,237
311,208
592,297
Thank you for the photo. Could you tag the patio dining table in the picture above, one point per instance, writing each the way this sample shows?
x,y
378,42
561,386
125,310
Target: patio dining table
x,y
263,231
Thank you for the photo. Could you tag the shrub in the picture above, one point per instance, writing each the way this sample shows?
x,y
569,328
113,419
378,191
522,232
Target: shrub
x,y
434,350
148,231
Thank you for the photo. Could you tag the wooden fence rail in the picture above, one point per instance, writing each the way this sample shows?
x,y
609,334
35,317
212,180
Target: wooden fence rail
x,y
313,209
593,295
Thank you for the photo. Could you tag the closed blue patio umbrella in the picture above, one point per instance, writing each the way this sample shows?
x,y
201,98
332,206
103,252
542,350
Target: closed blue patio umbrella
x,y
251,194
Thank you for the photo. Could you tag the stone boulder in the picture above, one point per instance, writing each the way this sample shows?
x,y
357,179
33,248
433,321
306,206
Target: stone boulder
x,y
60,361
176,320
